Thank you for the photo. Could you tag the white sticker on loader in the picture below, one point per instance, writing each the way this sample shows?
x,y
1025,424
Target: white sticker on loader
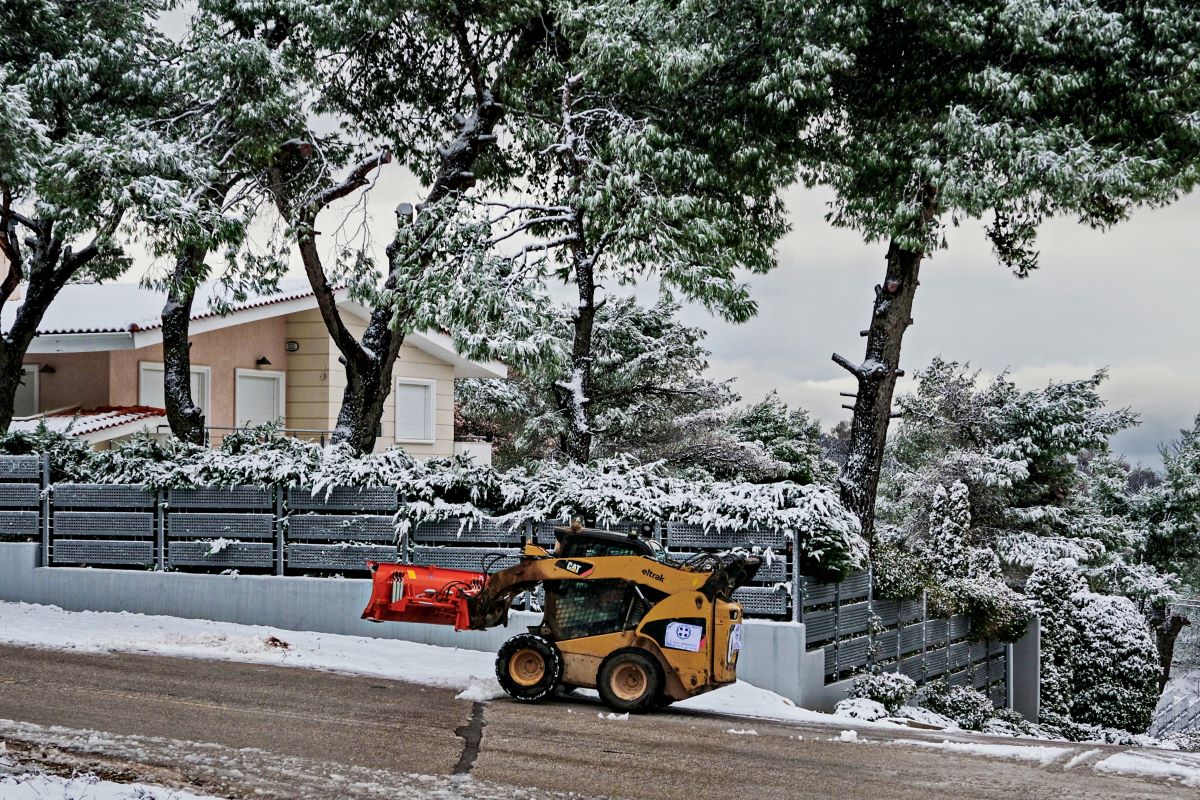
x,y
681,636
735,641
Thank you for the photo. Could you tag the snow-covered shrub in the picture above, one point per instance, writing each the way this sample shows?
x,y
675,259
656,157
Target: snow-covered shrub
x,y
1006,722
890,689
1050,590
1099,661
860,708
1115,679
1188,741
70,458
967,707
995,610
898,574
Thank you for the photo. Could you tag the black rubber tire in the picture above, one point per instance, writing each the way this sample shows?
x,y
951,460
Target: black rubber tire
x,y
648,686
663,700
525,646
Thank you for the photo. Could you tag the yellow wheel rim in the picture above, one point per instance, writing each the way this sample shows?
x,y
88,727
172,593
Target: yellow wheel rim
x,y
629,681
527,667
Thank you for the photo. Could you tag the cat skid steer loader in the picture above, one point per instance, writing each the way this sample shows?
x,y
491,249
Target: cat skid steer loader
x,y
620,616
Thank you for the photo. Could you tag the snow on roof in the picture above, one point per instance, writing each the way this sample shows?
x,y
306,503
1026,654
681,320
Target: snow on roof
x,y
81,423
128,307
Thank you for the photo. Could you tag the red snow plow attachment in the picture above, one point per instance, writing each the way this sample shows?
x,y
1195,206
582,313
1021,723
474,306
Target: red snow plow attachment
x,y
413,593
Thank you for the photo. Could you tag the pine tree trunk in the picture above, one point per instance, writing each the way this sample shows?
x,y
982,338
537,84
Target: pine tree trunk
x,y
185,419
1167,627
891,315
368,386
11,374
574,396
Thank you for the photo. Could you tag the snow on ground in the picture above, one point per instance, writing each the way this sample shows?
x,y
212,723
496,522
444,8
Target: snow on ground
x,y
33,785
1041,754
470,671
1181,767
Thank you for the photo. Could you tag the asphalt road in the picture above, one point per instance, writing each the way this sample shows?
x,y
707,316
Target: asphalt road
x,y
241,730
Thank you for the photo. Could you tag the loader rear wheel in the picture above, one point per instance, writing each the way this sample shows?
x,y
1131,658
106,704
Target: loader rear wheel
x,y
629,681
529,666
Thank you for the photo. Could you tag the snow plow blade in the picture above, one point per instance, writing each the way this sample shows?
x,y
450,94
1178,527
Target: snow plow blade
x,y
414,593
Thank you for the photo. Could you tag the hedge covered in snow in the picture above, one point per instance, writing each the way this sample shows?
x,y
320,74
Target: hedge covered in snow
x,y
826,534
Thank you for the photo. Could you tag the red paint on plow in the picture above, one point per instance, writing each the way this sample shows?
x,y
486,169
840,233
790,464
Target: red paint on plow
x,y
415,593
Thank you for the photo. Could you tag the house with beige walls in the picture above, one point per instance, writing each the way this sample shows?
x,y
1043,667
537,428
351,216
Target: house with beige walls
x,y
96,369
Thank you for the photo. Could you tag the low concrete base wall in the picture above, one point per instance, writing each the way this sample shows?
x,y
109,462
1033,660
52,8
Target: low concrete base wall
x,y
773,655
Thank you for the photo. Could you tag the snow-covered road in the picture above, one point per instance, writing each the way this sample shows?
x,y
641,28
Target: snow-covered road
x,y
187,710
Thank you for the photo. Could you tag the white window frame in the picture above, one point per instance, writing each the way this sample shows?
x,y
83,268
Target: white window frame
x,y
34,370
280,378
432,384
206,401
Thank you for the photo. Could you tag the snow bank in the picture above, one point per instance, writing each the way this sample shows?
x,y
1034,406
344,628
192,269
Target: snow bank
x,y
40,786
1040,754
1181,767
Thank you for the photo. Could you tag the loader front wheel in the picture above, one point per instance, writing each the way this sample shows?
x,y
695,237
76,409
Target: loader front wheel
x,y
529,666
629,682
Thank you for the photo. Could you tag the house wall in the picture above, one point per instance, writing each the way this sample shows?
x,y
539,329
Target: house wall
x,y
223,351
79,379
316,381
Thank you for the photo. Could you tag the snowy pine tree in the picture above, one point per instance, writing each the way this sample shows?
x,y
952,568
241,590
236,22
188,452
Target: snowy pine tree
x,y
1114,678
948,545
1052,589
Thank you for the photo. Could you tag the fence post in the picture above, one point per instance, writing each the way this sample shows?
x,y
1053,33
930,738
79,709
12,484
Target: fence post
x,y
837,626
279,544
160,532
870,617
45,509
797,584
924,634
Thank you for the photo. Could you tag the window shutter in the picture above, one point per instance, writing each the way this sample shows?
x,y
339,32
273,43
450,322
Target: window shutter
x,y
414,406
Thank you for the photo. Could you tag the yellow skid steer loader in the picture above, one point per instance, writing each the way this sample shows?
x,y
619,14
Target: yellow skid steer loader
x,y
620,616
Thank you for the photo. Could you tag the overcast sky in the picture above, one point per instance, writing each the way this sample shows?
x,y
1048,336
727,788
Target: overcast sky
x,y
1125,299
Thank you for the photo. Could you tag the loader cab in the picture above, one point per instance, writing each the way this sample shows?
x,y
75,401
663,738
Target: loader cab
x,y
589,543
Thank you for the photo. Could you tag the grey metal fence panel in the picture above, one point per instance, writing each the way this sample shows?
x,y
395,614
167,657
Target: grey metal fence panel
x,y
853,618
885,643
20,523
762,600
818,594
220,526
97,495
101,551
818,626
855,587
936,631
911,638
888,612
852,653
467,530
960,678
343,498
17,468
473,559
19,495
775,572
235,554
959,627
935,662
543,532
229,497
913,667
109,524
960,654
335,557
911,611
683,534
354,527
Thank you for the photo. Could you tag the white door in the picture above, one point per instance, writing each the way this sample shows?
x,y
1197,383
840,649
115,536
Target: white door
x,y
259,397
151,391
